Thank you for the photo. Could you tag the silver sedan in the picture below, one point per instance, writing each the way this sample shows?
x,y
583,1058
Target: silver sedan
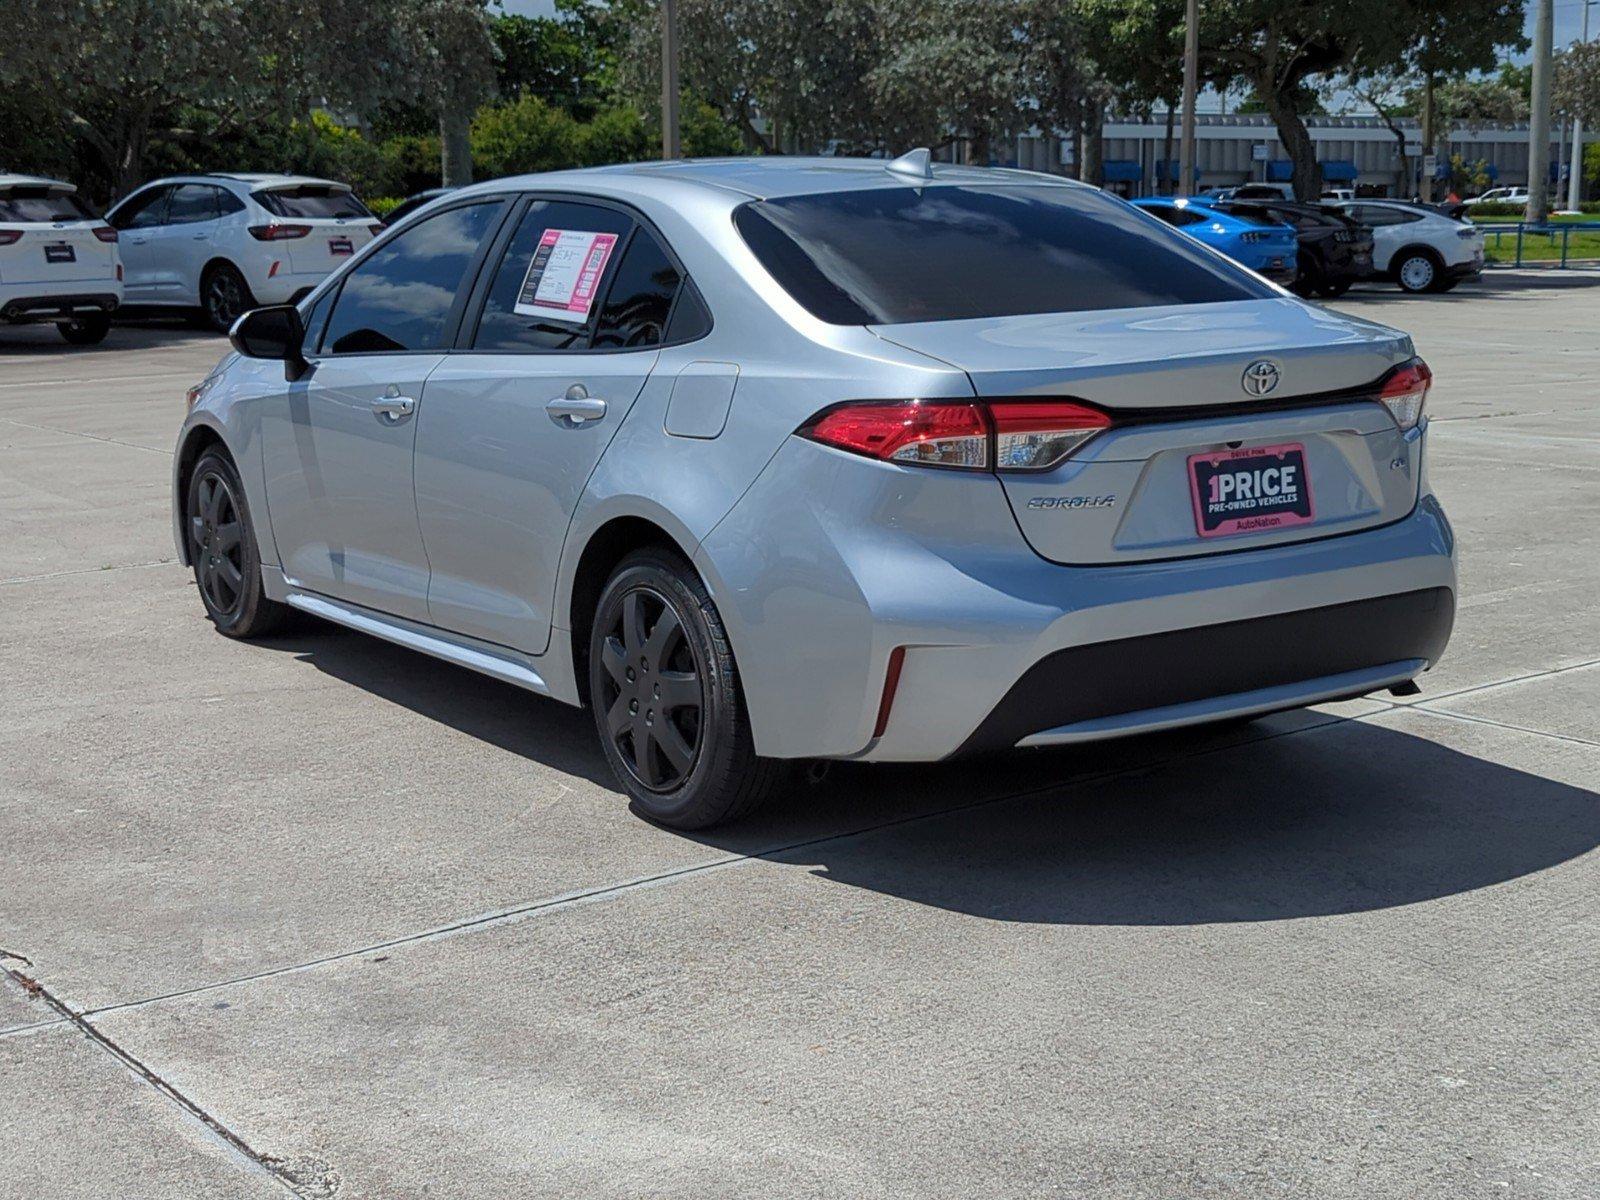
x,y
770,460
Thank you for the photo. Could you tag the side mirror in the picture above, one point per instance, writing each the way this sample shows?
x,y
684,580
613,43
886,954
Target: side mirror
x,y
275,333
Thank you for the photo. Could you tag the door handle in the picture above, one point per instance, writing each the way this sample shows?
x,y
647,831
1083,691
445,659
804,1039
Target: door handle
x,y
201,237
576,407
393,408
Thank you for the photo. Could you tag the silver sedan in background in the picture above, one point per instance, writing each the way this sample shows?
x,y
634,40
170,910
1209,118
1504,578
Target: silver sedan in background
x,y
774,459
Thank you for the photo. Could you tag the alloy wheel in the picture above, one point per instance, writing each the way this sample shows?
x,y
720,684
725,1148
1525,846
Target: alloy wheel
x,y
224,299
216,544
1416,273
651,690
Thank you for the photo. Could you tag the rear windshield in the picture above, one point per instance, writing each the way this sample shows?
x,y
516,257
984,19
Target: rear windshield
x,y
1248,213
32,204
310,200
894,255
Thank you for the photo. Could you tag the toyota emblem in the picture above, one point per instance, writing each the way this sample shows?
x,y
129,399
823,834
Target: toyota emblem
x,y
1260,377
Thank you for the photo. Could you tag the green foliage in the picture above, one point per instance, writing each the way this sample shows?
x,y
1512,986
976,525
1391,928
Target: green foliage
x,y
382,206
1577,82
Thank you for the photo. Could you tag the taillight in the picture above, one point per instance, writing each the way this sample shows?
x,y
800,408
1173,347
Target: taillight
x,y
1404,390
7,236
1036,436
931,434
278,233
1253,236
105,233
1006,435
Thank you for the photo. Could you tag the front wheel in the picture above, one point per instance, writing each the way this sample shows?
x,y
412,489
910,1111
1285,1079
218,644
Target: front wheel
x,y
224,296
665,694
222,551
86,331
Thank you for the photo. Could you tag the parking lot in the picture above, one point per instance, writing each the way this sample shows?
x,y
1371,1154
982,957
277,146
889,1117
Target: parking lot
x,y
317,916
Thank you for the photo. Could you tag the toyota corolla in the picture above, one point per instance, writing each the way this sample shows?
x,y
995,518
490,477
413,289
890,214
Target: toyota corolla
x,y
773,460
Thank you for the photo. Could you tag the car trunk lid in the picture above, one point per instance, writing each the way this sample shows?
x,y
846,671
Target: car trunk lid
x,y
1176,383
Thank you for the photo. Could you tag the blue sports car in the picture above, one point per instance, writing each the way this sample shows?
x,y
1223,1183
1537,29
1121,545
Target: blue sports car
x,y
1244,234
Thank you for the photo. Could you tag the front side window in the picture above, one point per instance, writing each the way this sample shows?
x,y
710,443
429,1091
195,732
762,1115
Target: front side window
x,y
543,296
401,296
311,200
37,205
893,255
192,203
145,211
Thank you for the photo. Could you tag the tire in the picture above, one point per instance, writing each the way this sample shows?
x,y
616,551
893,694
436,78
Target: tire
x,y
224,296
222,551
86,331
1418,271
1332,291
686,759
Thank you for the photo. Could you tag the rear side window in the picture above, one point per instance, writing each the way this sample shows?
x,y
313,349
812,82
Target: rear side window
x,y
512,319
1373,214
641,296
400,297
894,255
192,203
311,200
40,204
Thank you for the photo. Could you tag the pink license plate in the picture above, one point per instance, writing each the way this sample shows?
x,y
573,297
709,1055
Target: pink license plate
x,y
1250,490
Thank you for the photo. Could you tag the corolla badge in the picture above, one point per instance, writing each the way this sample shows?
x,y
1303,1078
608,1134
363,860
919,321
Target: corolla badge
x,y
1260,377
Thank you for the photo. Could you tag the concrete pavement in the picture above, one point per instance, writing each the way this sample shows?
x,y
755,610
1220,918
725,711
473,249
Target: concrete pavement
x,y
319,917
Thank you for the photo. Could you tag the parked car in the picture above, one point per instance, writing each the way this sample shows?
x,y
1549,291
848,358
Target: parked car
x,y
1336,193
226,243
1499,195
1333,251
1263,191
1245,234
1418,247
58,261
779,459
413,202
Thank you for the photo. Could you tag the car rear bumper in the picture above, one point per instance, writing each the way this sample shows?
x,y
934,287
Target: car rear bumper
x,y
285,287
58,306
822,574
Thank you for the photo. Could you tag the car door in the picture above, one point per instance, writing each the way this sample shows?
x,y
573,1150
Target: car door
x,y
568,324
136,220
186,240
337,443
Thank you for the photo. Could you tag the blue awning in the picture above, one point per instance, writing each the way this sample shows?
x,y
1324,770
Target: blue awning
x,y
1122,170
1338,170
1280,170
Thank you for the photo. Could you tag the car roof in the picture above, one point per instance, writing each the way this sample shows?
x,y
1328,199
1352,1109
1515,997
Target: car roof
x,y
9,180
256,181
764,177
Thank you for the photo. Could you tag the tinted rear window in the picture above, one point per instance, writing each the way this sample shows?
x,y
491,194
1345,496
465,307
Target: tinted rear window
x,y
34,204
311,201
1248,213
894,255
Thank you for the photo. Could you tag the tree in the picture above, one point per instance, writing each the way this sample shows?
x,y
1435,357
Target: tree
x,y
554,58
1576,89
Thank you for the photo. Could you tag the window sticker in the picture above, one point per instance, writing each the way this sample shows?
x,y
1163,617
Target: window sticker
x,y
564,276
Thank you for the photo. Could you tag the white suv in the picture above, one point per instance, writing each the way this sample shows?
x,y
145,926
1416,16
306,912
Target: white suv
x,y
227,243
1419,248
1500,195
58,261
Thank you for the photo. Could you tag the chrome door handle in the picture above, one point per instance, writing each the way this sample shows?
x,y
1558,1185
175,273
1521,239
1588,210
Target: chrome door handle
x,y
392,408
576,407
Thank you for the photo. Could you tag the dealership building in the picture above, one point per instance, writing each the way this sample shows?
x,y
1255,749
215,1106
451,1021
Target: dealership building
x,y
1360,152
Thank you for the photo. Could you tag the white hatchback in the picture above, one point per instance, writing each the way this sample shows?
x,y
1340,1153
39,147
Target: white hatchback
x,y
58,261
1419,248
227,243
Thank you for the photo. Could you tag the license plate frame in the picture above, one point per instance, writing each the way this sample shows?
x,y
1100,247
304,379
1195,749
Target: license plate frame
x,y
341,247
1224,487
56,253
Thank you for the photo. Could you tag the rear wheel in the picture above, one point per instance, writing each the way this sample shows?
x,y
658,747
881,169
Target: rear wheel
x,y
1418,271
1333,290
224,296
86,331
665,694
222,551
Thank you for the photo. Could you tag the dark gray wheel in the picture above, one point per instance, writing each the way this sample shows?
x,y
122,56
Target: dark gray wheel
x,y
1417,271
222,551
224,296
86,331
666,700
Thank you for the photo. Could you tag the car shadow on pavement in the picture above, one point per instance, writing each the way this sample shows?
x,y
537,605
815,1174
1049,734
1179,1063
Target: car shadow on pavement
x,y
1300,814
45,342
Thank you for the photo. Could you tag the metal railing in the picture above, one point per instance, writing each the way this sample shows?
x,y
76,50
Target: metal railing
x,y
1525,233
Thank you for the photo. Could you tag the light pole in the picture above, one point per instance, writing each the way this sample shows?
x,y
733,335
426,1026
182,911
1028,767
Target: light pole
x,y
669,79
1191,83
1539,125
1575,168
